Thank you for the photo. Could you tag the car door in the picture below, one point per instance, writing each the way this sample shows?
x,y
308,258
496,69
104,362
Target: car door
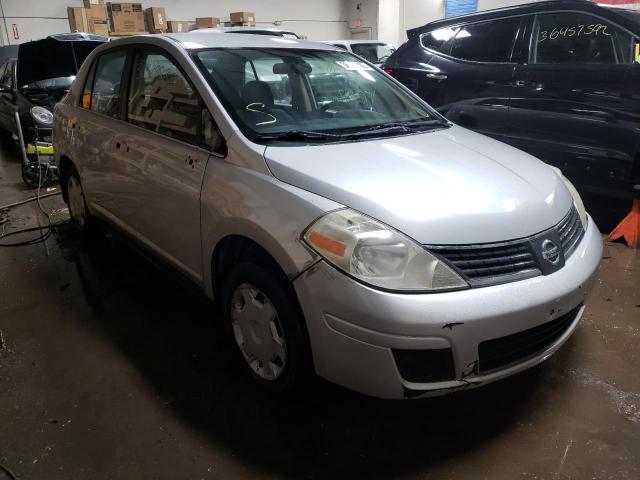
x,y
94,127
470,81
568,107
163,151
7,98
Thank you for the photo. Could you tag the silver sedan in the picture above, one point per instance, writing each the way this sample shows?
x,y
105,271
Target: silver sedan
x,y
344,226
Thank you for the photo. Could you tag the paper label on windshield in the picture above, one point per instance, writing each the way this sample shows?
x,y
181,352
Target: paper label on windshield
x,y
354,66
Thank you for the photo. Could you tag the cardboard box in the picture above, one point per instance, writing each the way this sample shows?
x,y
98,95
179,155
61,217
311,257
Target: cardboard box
x,y
177,26
77,19
100,29
242,17
90,3
156,19
207,22
96,13
126,17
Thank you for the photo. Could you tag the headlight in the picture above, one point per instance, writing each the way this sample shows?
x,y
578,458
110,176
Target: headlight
x,y
577,201
378,255
42,115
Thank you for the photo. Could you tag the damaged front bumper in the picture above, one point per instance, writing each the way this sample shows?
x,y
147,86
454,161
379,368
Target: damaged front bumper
x,y
357,332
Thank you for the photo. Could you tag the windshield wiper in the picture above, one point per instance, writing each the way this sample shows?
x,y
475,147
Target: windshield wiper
x,y
398,127
299,136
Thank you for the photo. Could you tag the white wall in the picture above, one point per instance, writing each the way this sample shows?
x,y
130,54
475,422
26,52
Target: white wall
x,y
389,22
315,19
415,13
364,10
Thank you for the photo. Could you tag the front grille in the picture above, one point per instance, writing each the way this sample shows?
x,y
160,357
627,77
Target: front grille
x,y
488,264
493,263
502,352
571,231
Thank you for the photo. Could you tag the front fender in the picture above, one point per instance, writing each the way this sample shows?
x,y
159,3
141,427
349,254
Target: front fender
x,y
241,201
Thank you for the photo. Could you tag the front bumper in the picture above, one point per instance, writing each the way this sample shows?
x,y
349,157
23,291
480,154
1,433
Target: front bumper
x,y
353,328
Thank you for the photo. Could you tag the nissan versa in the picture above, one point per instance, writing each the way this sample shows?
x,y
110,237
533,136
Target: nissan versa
x,y
343,225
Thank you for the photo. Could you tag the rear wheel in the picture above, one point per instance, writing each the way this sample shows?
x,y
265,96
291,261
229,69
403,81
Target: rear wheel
x,y
76,201
266,326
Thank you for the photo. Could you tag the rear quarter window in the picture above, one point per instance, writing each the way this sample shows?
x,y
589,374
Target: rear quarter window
x,y
491,41
438,40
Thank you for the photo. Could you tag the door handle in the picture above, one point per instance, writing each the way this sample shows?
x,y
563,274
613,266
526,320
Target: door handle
x,y
437,76
123,145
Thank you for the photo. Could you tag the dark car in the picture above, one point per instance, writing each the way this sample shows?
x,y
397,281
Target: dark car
x,y
558,79
31,85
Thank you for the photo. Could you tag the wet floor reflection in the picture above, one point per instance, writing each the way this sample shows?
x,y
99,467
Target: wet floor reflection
x,y
171,334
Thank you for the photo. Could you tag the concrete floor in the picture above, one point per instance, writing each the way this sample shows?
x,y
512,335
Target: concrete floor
x,y
111,368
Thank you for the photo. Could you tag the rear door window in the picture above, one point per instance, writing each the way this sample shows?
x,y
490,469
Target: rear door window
x,y
490,41
106,94
579,38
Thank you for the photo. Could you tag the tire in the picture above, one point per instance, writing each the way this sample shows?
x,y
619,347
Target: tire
x,y
78,210
33,172
251,284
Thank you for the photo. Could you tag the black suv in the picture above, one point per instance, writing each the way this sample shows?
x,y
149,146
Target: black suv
x,y
558,79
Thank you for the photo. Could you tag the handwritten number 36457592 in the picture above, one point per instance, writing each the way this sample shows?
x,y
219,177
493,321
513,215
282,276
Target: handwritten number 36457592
x,y
576,30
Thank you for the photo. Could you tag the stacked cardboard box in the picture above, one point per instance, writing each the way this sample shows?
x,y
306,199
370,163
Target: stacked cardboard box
x,y
126,18
92,18
96,17
247,19
178,26
156,20
207,22
77,19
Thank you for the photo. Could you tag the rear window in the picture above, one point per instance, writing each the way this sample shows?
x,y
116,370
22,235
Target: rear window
x,y
490,41
373,52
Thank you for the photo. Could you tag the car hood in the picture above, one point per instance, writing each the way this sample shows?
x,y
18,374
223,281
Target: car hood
x,y
54,56
450,186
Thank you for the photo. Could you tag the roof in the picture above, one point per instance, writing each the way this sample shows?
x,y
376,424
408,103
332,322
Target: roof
x,y
203,39
534,7
356,42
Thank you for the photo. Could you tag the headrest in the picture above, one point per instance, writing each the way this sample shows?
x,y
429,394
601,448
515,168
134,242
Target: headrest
x,y
256,91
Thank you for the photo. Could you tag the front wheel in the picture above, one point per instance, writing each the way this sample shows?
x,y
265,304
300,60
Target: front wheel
x,y
267,327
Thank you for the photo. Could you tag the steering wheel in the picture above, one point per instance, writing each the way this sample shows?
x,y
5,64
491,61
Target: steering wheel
x,y
335,104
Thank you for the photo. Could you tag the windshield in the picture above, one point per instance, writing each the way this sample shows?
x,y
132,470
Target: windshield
x,y
273,93
58,83
373,52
